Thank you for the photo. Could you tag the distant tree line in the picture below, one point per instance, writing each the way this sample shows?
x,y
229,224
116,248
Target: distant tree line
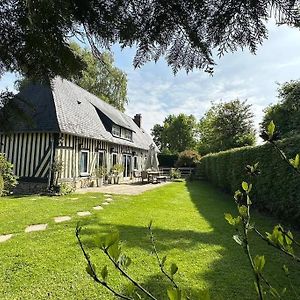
x,y
227,125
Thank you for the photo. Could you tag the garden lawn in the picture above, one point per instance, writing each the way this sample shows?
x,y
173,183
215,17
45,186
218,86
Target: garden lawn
x,y
189,225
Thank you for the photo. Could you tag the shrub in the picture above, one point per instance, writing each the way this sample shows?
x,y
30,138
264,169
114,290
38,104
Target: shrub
x,y
175,173
62,189
188,158
276,190
1,185
65,189
167,160
9,180
100,171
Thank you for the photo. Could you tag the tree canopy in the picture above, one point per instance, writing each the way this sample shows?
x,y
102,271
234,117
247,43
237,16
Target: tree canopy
x,y
286,113
226,125
35,34
178,133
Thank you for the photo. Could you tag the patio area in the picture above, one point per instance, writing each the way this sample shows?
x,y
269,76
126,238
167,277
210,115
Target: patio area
x,y
123,188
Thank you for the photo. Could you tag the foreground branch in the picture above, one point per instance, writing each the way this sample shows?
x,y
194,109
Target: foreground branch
x,y
93,272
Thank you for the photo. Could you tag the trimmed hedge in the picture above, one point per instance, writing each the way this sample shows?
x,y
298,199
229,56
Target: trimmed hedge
x,y
276,189
167,160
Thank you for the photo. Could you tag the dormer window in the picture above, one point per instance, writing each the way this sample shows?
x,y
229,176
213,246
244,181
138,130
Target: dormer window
x,y
116,130
121,132
126,134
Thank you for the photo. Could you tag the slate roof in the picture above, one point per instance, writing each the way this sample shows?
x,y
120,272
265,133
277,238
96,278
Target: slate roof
x,y
68,108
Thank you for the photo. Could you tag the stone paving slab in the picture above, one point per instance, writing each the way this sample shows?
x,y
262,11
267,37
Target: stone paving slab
x,y
105,203
122,189
83,213
5,237
36,227
97,207
109,199
62,219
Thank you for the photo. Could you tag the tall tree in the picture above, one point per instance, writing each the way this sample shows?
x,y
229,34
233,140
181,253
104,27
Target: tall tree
x,y
35,34
178,133
226,125
102,79
285,113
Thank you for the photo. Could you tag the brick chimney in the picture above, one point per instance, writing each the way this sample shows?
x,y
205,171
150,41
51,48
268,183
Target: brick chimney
x,y
138,120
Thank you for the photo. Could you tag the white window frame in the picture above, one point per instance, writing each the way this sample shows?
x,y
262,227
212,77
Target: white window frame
x,y
87,163
114,128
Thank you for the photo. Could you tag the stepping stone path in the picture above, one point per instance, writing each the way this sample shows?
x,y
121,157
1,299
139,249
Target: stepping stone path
x,y
105,203
109,199
5,237
62,219
37,227
107,195
97,207
83,213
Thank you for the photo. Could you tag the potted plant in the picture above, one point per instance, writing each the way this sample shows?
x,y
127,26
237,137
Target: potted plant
x,y
117,170
100,173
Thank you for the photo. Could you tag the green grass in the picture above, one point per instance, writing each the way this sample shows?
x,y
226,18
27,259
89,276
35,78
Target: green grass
x,y
189,226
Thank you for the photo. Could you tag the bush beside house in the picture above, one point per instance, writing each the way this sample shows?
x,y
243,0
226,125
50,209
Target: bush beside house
x,y
188,158
7,178
275,190
167,160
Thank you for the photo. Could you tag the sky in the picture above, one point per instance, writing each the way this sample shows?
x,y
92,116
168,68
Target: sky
x,y
155,92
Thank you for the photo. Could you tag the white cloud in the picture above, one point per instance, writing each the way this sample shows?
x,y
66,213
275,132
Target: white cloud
x,y
155,92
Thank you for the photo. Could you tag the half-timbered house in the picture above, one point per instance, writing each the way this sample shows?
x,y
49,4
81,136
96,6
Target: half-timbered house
x,y
72,126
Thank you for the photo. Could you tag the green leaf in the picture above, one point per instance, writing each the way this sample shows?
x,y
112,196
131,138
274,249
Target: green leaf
x,y
237,239
114,251
90,271
285,270
174,293
271,129
289,238
109,239
245,186
174,269
130,289
296,161
163,261
128,262
104,273
249,188
274,293
259,263
238,195
243,210
231,220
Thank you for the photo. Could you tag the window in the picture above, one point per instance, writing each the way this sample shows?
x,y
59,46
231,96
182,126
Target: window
x,y
116,130
135,163
84,157
121,132
126,134
114,159
101,159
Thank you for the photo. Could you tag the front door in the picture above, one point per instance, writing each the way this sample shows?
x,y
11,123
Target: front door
x,y
127,165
